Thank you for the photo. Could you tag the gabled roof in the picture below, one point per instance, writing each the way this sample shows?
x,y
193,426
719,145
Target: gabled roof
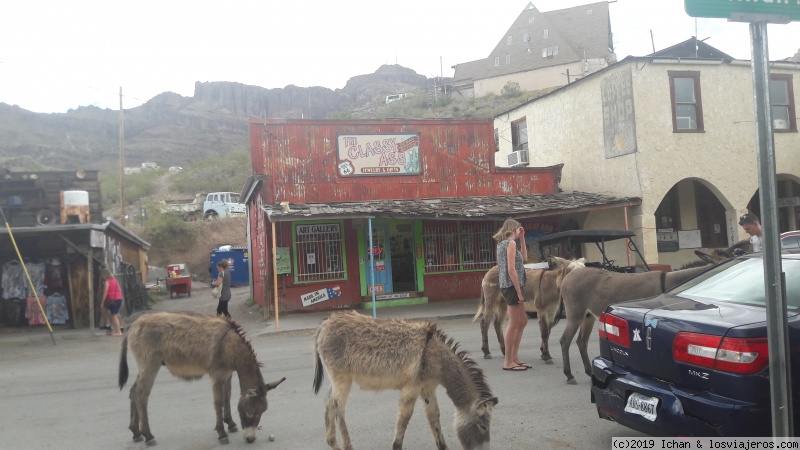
x,y
578,32
498,207
692,48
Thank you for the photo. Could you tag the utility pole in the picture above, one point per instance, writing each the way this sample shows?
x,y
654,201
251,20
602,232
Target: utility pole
x,y
121,162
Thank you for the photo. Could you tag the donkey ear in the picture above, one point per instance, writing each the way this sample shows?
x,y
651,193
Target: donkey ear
x,y
274,384
709,258
489,402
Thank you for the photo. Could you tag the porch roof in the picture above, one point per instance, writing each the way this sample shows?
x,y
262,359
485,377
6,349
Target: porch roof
x,y
498,207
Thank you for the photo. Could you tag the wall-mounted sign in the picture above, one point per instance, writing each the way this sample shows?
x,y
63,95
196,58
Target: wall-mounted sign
x,y
378,154
320,296
317,228
689,239
380,265
619,121
282,261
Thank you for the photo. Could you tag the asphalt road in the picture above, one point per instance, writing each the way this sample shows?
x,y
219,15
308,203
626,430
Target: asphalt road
x,y
65,397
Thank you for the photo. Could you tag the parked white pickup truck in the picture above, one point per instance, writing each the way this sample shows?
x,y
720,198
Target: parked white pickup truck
x,y
208,206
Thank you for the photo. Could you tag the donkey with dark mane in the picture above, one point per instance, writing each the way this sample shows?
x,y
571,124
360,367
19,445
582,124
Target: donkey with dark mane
x,y
587,292
541,295
191,345
412,357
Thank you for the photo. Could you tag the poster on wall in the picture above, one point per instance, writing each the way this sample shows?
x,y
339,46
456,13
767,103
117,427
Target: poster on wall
x,y
378,154
321,295
282,261
619,121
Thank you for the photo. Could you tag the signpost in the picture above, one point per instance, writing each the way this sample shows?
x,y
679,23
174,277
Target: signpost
x,y
775,11
759,13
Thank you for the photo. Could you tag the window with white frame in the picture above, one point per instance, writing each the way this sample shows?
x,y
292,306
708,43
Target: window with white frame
x,y
496,61
525,37
508,59
781,97
509,39
519,135
455,246
318,249
545,34
687,104
531,19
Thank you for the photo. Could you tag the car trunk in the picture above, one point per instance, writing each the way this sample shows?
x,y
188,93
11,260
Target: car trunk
x,y
653,325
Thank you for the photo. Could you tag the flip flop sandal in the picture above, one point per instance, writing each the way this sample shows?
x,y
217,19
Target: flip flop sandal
x,y
516,368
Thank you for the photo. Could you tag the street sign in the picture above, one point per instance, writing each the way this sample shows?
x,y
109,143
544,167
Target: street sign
x,y
775,11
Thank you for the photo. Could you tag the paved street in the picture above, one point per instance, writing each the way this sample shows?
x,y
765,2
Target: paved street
x,y
65,397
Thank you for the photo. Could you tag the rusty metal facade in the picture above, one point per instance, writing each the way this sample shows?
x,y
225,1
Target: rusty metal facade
x,y
299,157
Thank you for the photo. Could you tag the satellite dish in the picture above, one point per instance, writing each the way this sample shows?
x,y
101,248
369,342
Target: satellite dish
x,y
81,174
46,217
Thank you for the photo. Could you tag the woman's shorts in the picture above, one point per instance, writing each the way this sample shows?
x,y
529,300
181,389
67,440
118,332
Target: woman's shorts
x,y
510,295
114,306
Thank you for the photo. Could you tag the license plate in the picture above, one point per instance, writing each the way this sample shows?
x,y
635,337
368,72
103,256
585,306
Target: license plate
x,y
642,405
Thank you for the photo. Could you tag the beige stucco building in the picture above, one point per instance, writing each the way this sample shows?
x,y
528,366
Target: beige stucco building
x,y
677,132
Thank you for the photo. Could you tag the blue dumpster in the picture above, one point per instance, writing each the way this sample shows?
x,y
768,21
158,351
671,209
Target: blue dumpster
x,y
238,263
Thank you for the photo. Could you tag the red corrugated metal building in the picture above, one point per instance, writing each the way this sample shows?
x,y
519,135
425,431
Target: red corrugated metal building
x,y
428,188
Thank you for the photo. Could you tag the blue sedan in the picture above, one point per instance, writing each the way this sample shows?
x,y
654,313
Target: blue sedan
x,y
694,361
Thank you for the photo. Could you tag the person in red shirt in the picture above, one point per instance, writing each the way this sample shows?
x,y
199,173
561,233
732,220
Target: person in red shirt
x,y
112,295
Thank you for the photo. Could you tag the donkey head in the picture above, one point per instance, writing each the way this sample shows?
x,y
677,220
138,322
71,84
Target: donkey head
x,y
251,406
472,426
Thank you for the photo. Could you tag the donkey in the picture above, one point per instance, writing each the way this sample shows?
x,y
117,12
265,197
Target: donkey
x,y
412,357
541,295
586,293
192,345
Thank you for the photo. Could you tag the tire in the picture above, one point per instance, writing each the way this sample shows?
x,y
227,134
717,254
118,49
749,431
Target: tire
x,y
211,215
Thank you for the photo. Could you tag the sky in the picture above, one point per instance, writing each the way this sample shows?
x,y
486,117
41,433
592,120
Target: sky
x,y
58,55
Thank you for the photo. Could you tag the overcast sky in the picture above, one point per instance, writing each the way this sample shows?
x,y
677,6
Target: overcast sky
x,y
57,55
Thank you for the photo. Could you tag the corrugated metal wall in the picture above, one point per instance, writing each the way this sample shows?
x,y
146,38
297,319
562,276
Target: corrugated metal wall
x,y
457,158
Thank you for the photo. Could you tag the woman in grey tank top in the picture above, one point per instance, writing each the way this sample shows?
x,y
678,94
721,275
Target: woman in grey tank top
x,y
510,265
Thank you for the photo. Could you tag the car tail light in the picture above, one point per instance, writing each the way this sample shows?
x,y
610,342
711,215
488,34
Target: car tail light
x,y
735,355
614,329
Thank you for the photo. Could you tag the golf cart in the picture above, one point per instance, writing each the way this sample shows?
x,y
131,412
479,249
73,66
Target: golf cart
x,y
566,244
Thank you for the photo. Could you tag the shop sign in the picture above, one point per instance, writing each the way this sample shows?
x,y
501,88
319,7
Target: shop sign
x,y
378,154
378,289
317,228
283,262
321,295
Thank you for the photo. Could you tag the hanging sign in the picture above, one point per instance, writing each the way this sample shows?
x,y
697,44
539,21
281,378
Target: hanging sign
x,y
378,154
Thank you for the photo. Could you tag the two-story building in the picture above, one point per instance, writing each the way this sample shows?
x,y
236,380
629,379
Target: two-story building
x,y
677,132
541,50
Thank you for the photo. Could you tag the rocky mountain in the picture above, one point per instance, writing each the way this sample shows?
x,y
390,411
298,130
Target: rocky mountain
x,y
172,130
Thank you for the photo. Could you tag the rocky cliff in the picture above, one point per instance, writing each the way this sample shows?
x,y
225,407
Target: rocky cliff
x,y
174,130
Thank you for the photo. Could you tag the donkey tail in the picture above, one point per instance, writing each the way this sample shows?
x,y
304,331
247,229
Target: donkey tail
x,y
317,370
123,363
481,306
560,310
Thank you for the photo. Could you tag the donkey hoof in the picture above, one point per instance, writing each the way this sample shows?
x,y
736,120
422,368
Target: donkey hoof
x,y
139,438
548,361
232,429
151,442
224,440
572,381
487,356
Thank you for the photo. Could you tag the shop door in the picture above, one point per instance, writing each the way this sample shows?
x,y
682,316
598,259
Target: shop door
x,y
381,254
401,244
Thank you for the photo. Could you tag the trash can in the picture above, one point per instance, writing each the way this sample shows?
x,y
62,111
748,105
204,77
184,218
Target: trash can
x,y
238,263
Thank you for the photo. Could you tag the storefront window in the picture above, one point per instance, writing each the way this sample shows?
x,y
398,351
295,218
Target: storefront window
x,y
318,248
454,246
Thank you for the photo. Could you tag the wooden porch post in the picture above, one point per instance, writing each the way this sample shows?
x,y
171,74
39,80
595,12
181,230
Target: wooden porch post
x,y
275,272
90,271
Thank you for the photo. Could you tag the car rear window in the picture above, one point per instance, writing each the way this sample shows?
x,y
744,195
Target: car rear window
x,y
741,281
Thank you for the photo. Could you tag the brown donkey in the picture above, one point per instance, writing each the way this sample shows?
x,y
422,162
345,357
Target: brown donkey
x,y
192,345
587,292
541,295
412,357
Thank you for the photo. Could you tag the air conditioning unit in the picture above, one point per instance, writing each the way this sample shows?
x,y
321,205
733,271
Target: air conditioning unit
x,y
685,123
518,158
